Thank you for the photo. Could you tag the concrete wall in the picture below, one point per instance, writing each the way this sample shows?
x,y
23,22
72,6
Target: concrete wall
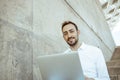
x,y
16,50
30,28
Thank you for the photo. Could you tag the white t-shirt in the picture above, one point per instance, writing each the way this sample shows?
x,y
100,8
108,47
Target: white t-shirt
x,y
92,62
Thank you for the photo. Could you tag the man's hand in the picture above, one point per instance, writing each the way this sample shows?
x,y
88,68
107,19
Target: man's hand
x,y
87,78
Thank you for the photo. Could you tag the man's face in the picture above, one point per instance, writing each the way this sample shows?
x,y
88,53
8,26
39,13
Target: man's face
x,y
70,34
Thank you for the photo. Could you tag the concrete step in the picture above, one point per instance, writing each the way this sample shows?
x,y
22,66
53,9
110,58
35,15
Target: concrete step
x,y
116,54
114,77
113,63
113,70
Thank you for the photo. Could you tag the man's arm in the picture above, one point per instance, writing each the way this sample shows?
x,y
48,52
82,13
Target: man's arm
x,y
101,68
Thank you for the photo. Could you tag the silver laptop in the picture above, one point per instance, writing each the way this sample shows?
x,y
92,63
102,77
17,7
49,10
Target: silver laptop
x,y
61,67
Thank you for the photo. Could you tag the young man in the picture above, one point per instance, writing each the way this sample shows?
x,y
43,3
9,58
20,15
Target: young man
x,y
92,60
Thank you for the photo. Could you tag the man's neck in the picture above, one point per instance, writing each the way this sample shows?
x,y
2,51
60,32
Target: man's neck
x,y
75,47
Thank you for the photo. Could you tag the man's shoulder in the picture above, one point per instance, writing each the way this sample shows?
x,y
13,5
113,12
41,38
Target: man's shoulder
x,y
93,50
91,47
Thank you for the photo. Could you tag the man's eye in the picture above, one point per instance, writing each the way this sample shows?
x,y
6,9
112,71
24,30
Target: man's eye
x,y
71,31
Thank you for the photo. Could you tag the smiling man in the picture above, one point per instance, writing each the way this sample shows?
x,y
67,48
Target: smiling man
x,y
92,60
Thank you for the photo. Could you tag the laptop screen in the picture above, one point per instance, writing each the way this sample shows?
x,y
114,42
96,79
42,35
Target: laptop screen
x,y
61,67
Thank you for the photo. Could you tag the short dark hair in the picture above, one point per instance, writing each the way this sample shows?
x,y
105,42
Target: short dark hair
x,y
69,22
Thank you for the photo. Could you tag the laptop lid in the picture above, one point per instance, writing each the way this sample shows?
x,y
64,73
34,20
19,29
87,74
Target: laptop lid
x,y
61,67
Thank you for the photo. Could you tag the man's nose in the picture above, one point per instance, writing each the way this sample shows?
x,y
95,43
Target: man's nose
x,y
69,35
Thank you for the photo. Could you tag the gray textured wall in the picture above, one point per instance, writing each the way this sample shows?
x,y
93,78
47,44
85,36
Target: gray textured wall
x,y
16,52
30,28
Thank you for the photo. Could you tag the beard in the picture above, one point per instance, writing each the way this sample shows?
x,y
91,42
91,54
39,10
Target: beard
x,y
72,43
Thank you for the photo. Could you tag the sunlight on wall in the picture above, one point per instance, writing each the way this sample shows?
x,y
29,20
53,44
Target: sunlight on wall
x,y
116,34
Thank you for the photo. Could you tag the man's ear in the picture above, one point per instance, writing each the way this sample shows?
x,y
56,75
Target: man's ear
x,y
78,32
